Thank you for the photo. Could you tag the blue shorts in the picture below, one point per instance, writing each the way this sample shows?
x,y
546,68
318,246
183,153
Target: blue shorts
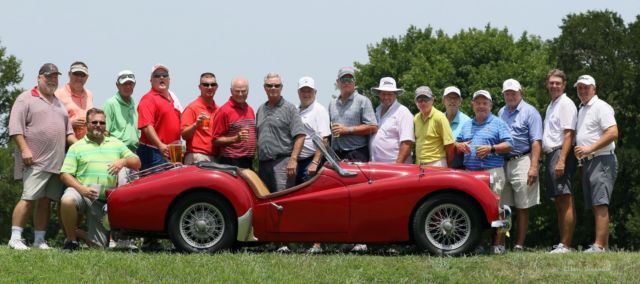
x,y
149,156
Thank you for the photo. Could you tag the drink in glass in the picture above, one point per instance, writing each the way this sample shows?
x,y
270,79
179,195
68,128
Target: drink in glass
x,y
175,152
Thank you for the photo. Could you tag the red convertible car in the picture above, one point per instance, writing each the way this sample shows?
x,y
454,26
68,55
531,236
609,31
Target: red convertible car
x,y
209,207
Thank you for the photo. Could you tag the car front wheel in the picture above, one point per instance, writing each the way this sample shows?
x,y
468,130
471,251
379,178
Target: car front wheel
x,y
202,222
446,224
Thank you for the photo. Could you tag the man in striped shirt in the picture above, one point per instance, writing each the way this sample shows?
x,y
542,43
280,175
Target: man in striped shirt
x,y
91,165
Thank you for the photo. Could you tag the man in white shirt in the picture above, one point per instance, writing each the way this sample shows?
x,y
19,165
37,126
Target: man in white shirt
x,y
596,132
315,116
557,139
394,139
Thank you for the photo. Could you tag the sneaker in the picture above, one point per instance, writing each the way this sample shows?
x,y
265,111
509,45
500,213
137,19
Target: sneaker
x,y
594,249
518,248
18,244
283,249
112,244
124,245
71,246
41,245
359,248
560,248
498,250
392,251
152,245
314,250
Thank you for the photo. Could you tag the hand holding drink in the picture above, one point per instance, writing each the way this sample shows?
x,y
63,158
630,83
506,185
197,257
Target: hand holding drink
x,y
244,134
175,152
205,120
335,129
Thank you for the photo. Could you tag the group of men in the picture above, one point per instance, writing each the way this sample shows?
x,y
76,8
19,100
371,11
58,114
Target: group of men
x,y
62,141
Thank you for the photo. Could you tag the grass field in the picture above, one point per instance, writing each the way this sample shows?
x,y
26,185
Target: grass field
x,y
100,266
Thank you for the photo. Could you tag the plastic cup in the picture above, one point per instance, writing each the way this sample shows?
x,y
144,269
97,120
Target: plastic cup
x,y
175,153
98,189
333,124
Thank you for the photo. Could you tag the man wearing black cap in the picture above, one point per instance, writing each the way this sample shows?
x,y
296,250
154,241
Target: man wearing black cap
x,y
40,127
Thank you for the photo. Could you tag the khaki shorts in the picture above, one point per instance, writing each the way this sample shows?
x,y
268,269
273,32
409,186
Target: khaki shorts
x,y
38,184
192,158
94,212
516,191
439,163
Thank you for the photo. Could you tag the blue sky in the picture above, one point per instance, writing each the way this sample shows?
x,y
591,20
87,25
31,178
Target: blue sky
x,y
247,38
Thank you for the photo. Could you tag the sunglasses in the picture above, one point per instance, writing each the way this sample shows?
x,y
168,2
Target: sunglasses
x,y
272,86
79,74
347,79
96,122
127,76
160,75
209,85
422,99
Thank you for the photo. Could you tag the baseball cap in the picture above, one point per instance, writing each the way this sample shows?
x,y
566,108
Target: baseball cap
x,y
387,84
79,67
585,79
511,84
346,71
124,76
159,66
48,69
424,91
306,81
483,93
452,89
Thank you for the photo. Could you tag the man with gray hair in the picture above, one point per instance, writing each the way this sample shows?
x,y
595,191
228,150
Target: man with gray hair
x,y
434,139
281,136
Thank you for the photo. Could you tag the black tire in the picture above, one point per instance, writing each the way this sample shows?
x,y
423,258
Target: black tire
x,y
202,222
454,225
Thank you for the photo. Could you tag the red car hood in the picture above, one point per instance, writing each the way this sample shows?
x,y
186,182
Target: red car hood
x,y
377,171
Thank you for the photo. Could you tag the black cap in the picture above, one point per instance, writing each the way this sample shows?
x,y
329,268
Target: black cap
x,y
48,69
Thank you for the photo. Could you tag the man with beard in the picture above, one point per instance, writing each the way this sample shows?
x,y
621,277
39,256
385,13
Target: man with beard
x,y
40,126
91,166
76,98
196,120
158,119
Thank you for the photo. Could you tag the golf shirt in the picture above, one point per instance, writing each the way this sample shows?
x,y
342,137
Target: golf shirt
x,y
77,106
277,128
317,117
228,121
122,120
202,139
431,136
394,127
159,112
492,131
457,122
561,114
525,126
593,119
355,111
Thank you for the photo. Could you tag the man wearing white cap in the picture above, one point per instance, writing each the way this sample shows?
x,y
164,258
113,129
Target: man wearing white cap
x,y
76,98
394,139
482,140
158,119
596,133
452,99
122,117
352,119
315,116
434,139
557,140
521,189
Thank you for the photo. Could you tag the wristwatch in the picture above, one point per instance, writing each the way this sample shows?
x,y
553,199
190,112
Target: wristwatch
x,y
493,149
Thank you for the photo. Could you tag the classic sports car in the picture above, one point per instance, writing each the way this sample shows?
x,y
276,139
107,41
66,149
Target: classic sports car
x,y
209,207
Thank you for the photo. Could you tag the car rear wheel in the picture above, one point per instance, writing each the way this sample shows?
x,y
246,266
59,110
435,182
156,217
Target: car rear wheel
x,y
446,224
202,222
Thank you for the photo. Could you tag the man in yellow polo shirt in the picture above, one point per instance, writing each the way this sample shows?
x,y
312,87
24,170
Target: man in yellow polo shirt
x,y
434,139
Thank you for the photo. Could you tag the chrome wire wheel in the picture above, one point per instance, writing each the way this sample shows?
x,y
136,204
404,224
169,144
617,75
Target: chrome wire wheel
x,y
202,225
447,226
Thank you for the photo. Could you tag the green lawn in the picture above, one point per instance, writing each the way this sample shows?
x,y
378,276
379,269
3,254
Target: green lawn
x,y
118,267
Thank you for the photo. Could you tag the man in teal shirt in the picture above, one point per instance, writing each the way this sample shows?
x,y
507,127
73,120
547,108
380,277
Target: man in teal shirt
x,y
452,99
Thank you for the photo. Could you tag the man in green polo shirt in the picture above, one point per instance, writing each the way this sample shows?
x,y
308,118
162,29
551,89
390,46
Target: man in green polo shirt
x,y
91,164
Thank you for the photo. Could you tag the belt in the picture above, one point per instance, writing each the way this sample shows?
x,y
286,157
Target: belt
x,y
517,156
590,157
553,149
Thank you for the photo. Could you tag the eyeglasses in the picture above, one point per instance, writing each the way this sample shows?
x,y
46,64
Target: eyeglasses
x,y
160,75
79,74
347,79
209,85
422,99
96,122
272,86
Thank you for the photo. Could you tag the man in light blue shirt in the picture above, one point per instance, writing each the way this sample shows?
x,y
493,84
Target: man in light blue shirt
x,y
452,99
521,189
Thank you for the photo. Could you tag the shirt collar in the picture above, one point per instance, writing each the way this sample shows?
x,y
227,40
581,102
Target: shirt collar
x,y
206,104
237,105
591,101
120,100
308,109
278,104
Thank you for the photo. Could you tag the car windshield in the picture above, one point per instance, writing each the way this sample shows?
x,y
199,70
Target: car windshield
x,y
327,152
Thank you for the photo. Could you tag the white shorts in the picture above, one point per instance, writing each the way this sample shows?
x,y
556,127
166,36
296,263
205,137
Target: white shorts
x,y
38,184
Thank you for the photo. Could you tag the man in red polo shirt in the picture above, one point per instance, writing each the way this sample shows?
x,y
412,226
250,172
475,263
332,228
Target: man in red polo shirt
x,y
196,120
234,128
158,119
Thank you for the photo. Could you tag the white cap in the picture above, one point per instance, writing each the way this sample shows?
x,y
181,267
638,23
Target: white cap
x,y
585,79
511,84
452,89
387,84
306,81
125,76
79,67
483,93
159,66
